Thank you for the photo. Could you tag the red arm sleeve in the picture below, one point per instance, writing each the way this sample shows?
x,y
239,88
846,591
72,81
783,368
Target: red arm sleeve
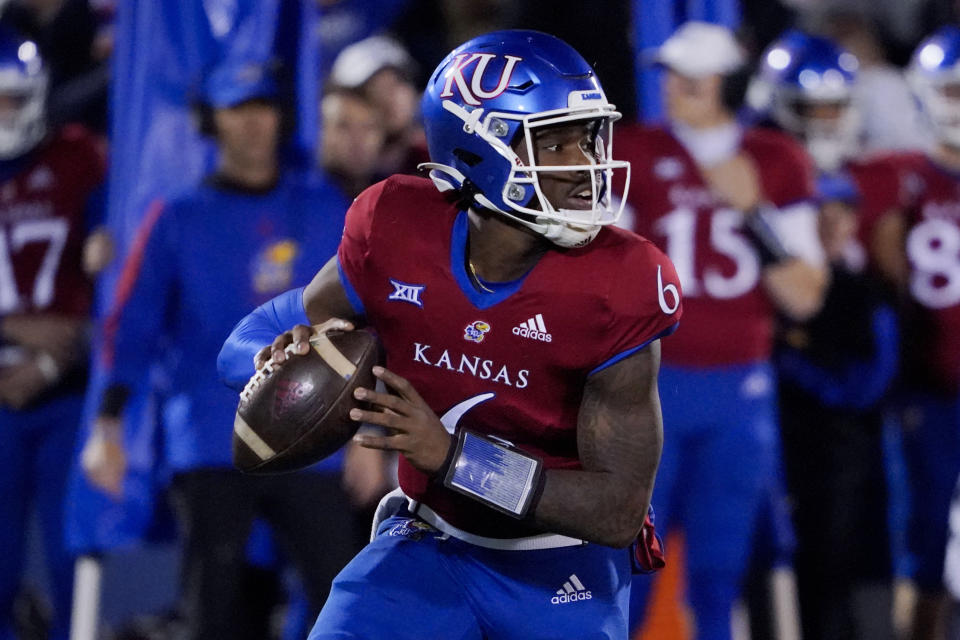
x,y
352,255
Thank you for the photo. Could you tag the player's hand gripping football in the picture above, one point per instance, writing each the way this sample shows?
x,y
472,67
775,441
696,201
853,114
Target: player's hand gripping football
x,y
413,428
300,336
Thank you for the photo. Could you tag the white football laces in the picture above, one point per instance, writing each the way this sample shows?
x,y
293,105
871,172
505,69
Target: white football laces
x,y
265,371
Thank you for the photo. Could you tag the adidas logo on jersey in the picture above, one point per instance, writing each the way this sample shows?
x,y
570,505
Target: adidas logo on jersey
x,y
534,328
572,591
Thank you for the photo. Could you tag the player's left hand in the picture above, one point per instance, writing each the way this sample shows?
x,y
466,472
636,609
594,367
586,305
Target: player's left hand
x,y
20,384
415,430
60,336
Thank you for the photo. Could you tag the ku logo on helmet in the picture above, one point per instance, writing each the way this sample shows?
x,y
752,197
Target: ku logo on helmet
x,y
472,92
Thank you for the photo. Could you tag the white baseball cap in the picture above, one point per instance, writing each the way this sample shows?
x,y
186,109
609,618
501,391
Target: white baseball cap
x,y
358,62
699,49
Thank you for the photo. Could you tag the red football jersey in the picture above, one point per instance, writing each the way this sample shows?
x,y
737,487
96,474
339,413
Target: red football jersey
x,y
512,363
728,318
878,183
931,195
42,226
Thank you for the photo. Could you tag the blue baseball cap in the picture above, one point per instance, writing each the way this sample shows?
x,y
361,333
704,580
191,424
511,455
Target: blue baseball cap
x,y
233,83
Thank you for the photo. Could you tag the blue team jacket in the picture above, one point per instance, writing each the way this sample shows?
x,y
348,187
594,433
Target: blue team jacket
x,y
199,264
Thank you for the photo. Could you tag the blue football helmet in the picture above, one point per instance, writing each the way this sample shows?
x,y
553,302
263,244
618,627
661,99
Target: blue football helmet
x,y
798,73
495,92
23,82
934,76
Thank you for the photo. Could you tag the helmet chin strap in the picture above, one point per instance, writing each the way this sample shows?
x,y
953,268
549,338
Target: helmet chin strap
x,y
559,233
567,236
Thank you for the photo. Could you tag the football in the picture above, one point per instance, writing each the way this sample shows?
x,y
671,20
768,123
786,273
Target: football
x,y
293,415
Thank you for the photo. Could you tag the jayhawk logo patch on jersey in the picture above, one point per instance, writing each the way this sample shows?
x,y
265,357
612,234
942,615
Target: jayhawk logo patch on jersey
x,y
476,330
273,266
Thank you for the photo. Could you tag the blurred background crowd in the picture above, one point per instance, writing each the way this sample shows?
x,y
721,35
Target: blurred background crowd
x,y
166,166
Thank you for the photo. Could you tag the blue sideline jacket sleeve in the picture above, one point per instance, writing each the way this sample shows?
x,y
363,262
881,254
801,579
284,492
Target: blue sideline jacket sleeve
x,y
254,332
136,323
860,384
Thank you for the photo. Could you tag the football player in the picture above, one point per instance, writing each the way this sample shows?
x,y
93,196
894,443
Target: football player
x,y
918,248
522,334
731,207
805,86
48,181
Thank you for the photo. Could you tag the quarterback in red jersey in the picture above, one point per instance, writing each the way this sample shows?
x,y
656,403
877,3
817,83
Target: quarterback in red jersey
x,y
522,338
48,180
731,207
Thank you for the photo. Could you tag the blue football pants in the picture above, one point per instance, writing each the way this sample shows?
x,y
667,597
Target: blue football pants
x,y
38,447
931,447
717,469
412,582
